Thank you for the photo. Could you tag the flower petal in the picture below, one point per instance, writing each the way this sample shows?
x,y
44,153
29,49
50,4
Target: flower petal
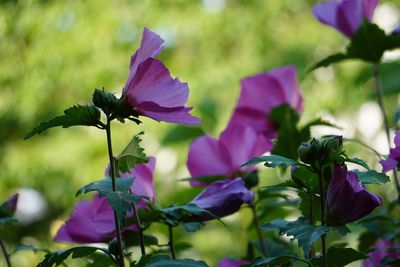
x,y
388,164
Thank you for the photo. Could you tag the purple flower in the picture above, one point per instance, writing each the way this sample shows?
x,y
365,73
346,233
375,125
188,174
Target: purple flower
x,y
151,91
223,198
394,155
345,16
224,156
259,95
380,252
347,198
225,262
8,207
93,221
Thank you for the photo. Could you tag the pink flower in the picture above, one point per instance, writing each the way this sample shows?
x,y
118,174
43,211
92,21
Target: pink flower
x,y
345,16
381,251
93,221
209,156
393,160
259,95
225,262
151,91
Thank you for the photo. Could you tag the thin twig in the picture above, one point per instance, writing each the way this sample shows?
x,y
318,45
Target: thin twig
x,y
6,256
171,242
140,230
323,222
263,247
379,96
121,260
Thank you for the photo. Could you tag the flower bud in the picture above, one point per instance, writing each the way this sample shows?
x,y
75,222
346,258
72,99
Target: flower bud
x,y
310,152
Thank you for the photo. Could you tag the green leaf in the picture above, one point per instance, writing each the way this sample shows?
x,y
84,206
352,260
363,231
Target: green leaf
x,y
58,257
304,233
372,177
165,261
105,186
304,206
87,115
273,261
133,154
329,61
192,227
368,44
358,161
132,239
339,257
180,133
289,137
305,178
271,161
122,202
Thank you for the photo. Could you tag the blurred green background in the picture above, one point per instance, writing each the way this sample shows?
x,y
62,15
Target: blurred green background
x,y
54,53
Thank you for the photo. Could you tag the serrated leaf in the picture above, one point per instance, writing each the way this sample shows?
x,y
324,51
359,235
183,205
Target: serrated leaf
x,y
58,257
133,154
339,257
104,186
78,115
372,177
301,230
329,61
29,248
273,261
122,202
305,178
271,161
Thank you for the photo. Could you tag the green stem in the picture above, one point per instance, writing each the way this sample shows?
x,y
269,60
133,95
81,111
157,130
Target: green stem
x,y
311,254
379,96
121,261
6,256
140,230
258,230
171,242
323,222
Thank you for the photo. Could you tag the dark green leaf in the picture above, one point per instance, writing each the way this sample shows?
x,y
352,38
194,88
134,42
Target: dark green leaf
x,y
366,241
133,154
329,61
358,161
192,226
122,202
372,177
165,261
304,206
273,261
271,161
132,239
87,115
58,257
301,230
305,178
289,137
339,257
105,186
180,133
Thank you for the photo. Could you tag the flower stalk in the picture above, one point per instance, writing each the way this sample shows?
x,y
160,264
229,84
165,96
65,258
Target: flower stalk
x,y
171,242
140,231
322,218
121,261
258,229
6,256
379,97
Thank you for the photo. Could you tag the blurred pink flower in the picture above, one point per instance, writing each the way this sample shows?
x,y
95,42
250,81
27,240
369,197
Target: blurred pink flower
x,y
393,160
345,16
224,156
151,91
381,250
225,262
93,221
259,95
